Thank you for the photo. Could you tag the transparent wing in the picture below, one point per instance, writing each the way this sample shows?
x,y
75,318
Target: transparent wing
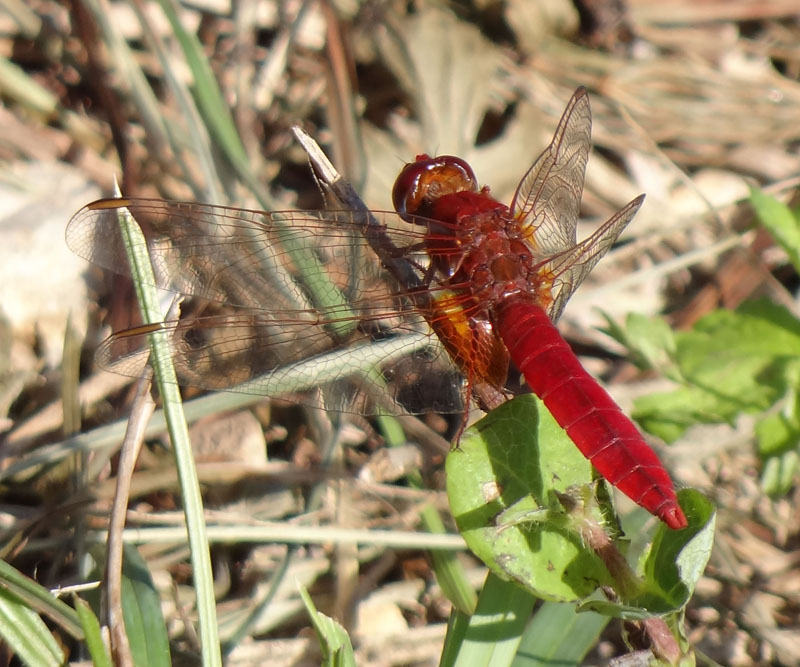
x,y
548,197
569,268
548,200
240,257
244,354
295,294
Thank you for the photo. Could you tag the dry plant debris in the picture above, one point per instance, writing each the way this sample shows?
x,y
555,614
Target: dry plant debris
x,y
692,103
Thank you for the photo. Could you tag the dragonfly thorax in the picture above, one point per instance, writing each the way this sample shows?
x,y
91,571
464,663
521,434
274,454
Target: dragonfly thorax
x,y
494,260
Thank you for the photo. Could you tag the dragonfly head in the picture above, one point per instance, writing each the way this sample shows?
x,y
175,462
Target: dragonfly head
x,y
425,180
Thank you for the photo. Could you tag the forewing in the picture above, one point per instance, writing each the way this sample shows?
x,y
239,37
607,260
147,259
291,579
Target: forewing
x,y
548,197
568,269
283,260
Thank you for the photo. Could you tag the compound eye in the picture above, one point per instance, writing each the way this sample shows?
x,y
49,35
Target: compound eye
x,y
426,179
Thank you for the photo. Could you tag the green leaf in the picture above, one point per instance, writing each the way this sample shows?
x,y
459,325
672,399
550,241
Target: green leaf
x,y
781,221
503,484
777,477
336,648
678,557
141,608
731,362
777,435
672,566
779,439
757,329
649,340
778,444
669,414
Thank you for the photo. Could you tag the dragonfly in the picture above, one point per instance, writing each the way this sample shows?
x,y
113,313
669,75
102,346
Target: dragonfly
x,y
452,285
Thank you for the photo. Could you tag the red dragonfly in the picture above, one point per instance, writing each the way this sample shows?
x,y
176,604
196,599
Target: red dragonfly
x,y
324,295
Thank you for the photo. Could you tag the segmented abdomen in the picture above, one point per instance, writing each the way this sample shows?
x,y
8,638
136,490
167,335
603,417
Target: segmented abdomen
x,y
591,418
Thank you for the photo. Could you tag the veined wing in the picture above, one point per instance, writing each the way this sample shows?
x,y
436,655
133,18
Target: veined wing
x,y
571,267
548,197
281,261
308,296
249,352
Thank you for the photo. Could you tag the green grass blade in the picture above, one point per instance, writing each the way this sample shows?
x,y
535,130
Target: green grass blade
x,y
94,638
558,635
39,599
26,634
141,606
449,570
337,651
209,98
142,271
493,633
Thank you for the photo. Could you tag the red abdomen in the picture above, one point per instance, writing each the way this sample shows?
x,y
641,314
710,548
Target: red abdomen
x,y
591,418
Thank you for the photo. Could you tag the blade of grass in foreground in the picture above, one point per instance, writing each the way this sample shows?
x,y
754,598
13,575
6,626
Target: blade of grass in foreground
x,y
26,634
492,634
142,272
558,635
39,599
